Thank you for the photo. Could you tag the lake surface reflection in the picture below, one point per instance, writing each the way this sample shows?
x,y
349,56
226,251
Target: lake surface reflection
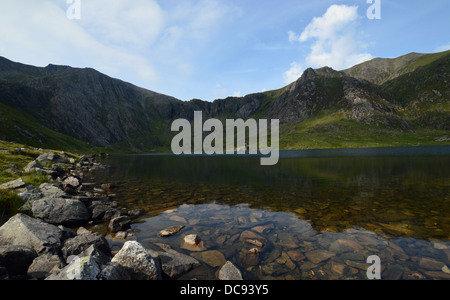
x,y
319,214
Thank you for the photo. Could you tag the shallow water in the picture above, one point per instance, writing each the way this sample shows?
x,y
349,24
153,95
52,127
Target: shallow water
x,y
319,214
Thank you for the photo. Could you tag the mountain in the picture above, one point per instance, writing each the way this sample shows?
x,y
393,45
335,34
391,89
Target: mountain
x,y
384,102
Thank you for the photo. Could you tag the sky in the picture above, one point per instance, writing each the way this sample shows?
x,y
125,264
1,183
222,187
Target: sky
x,y
212,49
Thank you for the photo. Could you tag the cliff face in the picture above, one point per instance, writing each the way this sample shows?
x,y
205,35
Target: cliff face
x,y
93,108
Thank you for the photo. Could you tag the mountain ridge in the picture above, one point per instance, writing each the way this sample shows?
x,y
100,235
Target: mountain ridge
x,y
99,111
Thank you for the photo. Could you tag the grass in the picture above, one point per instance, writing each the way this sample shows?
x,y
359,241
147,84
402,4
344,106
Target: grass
x,y
328,131
22,128
9,205
14,157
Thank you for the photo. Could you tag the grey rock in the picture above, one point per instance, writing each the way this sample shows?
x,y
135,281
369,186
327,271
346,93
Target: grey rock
x,y
171,231
137,261
99,256
80,243
60,211
45,265
114,272
33,166
51,190
229,272
119,224
80,268
16,259
23,230
12,185
71,184
50,157
67,233
175,264
192,239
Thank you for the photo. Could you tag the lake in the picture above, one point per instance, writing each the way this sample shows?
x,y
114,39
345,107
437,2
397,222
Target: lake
x,y
319,213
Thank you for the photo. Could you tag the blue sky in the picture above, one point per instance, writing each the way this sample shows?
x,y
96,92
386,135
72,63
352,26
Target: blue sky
x,y
210,49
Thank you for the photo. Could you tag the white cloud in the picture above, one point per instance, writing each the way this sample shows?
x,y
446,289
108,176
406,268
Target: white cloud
x,y
137,22
39,33
293,73
237,94
335,39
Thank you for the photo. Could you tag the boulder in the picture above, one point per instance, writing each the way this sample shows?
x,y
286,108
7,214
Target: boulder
x,y
51,190
16,259
137,261
71,184
59,211
119,224
114,272
175,264
45,265
33,166
13,185
22,230
83,242
50,157
80,268
229,272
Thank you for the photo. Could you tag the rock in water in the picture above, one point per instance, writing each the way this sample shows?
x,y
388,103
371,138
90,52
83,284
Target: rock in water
x,y
192,239
229,272
175,264
138,262
119,224
171,231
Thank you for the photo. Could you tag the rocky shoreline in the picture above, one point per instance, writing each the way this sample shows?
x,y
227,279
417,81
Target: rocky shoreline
x,y
38,243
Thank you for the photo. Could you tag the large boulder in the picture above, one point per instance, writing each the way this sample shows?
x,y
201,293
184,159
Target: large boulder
x,y
137,261
50,157
22,230
80,268
51,190
60,211
16,259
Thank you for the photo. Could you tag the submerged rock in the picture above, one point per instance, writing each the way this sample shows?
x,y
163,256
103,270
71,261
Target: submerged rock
x,y
171,231
229,272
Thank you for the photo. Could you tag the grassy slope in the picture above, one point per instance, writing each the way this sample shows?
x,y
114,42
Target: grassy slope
x,y
21,128
333,130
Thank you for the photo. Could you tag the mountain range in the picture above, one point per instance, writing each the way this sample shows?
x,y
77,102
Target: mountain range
x,y
382,102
